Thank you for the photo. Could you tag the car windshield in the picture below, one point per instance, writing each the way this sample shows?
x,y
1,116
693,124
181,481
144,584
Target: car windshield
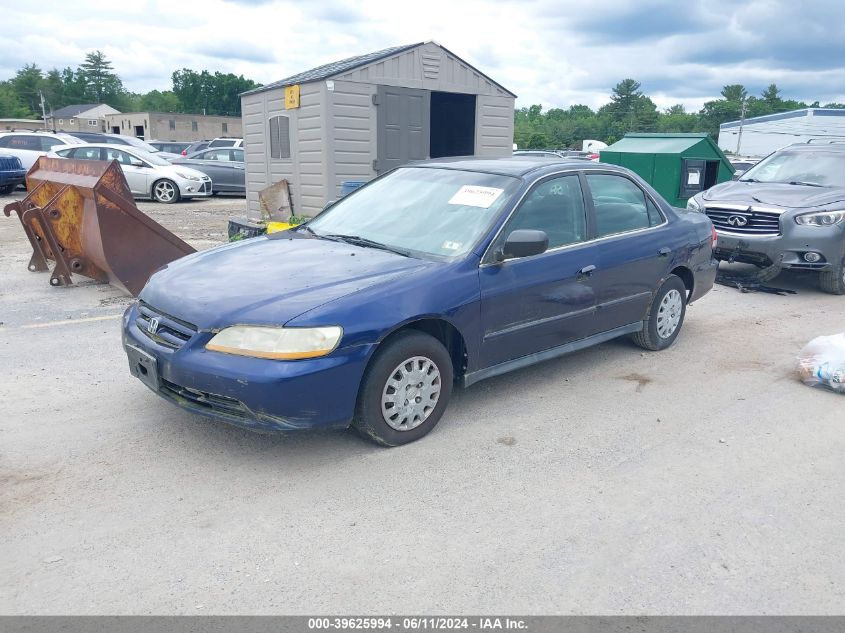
x,y
439,212
820,167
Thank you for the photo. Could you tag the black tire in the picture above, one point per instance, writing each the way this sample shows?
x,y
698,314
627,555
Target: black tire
x,y
650,337
163,185
386,364
833,281
7,189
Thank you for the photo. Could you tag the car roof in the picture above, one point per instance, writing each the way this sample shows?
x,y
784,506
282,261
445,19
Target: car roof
x,y
113,146
836,146
38,133
516,166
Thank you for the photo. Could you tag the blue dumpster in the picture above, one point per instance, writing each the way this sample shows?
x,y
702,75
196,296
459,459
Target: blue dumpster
x,y
348,186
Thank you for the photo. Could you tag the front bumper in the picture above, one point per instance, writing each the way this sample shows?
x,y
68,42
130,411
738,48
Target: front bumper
x,y
786,250
16,177
195,188
259,394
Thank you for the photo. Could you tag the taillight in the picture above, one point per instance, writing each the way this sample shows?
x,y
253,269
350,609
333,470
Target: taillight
x,y
715,237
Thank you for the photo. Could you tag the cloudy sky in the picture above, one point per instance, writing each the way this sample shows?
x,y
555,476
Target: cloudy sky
x,y
557,53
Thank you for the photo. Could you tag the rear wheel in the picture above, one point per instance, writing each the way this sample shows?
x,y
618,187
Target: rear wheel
x,y
7,189
166,191
666,316
833,281
405,389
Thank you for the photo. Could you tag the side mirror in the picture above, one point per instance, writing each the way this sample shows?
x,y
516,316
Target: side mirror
x,y
135,162
523,243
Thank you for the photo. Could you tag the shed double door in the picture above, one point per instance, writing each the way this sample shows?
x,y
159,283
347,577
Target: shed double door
x,y
403,128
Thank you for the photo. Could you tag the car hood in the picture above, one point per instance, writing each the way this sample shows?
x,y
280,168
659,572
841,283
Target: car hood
x,y
268,280
774,193
173,170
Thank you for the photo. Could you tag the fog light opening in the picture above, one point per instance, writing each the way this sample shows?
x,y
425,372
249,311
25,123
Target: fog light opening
x,y
812,258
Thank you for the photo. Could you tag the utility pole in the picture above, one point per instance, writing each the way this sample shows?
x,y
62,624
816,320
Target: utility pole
x,y
43,109
741,122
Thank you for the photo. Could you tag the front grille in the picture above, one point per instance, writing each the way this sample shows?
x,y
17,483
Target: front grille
x,y
169,331
222,405
756,222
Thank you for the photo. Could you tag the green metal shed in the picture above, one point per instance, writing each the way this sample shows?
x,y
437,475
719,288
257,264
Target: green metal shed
x,y
678,165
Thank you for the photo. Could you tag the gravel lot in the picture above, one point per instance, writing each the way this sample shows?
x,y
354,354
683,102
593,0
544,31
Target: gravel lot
x,y
702,479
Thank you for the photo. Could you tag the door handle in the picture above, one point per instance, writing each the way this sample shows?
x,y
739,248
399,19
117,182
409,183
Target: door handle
x,y
586,271
664,252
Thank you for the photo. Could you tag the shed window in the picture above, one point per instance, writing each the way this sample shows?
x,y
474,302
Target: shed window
x,y
172,124
92,122
225,128
193,126
279,137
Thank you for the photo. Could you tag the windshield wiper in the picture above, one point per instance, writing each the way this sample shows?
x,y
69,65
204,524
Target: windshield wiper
x,y
357,240
305,227
808,184
748,180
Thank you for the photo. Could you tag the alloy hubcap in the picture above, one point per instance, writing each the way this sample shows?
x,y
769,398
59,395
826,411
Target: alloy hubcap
x,y
669,313
164,191
410,393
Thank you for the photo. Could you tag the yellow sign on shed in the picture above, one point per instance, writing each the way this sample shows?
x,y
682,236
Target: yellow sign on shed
x,y
291,97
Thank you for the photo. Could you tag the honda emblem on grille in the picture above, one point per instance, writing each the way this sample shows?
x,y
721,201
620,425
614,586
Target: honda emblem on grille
x,y
152,326
737,220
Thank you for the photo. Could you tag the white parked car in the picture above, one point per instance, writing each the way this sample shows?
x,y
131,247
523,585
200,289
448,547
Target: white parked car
x,y
28,146
148,175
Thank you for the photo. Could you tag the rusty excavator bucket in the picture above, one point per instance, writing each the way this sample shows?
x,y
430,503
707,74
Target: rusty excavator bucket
x,y
81,215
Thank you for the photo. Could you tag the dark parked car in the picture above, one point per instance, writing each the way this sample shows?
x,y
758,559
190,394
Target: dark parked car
x,y
12,173
451,270
225,167
786,212
193,148
171,147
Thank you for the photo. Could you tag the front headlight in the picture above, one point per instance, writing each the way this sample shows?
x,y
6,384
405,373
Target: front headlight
x,y
825,218
281,343
182,174
692,203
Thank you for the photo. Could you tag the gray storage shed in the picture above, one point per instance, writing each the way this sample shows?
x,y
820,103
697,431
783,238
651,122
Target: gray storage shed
x,y
359,117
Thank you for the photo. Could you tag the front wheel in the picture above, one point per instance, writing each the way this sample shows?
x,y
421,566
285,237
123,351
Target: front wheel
x,y
166,191
833,281
7,189
665,317
405,389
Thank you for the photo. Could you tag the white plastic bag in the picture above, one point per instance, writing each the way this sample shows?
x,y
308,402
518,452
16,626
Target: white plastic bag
x,y
822,362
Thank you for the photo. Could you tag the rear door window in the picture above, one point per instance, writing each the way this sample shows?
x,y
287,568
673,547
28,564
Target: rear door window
x,y
620,205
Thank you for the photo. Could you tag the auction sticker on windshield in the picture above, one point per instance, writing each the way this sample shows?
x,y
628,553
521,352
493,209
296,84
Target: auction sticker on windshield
x,y
473,196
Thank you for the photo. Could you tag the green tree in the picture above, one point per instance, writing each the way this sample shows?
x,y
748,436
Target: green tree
x,y
734,92
629,109
204,93
11,106
102,85
156,101
27,85
771,97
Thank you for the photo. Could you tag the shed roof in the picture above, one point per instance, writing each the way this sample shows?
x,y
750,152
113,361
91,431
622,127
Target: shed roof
x,y
74,110
660,143
332,69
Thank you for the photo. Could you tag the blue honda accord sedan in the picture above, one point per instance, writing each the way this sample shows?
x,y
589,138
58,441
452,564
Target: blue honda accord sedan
x,y
441,273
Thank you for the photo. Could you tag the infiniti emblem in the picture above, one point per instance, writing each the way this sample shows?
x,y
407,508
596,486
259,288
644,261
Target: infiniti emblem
x,y
152,326
737,220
